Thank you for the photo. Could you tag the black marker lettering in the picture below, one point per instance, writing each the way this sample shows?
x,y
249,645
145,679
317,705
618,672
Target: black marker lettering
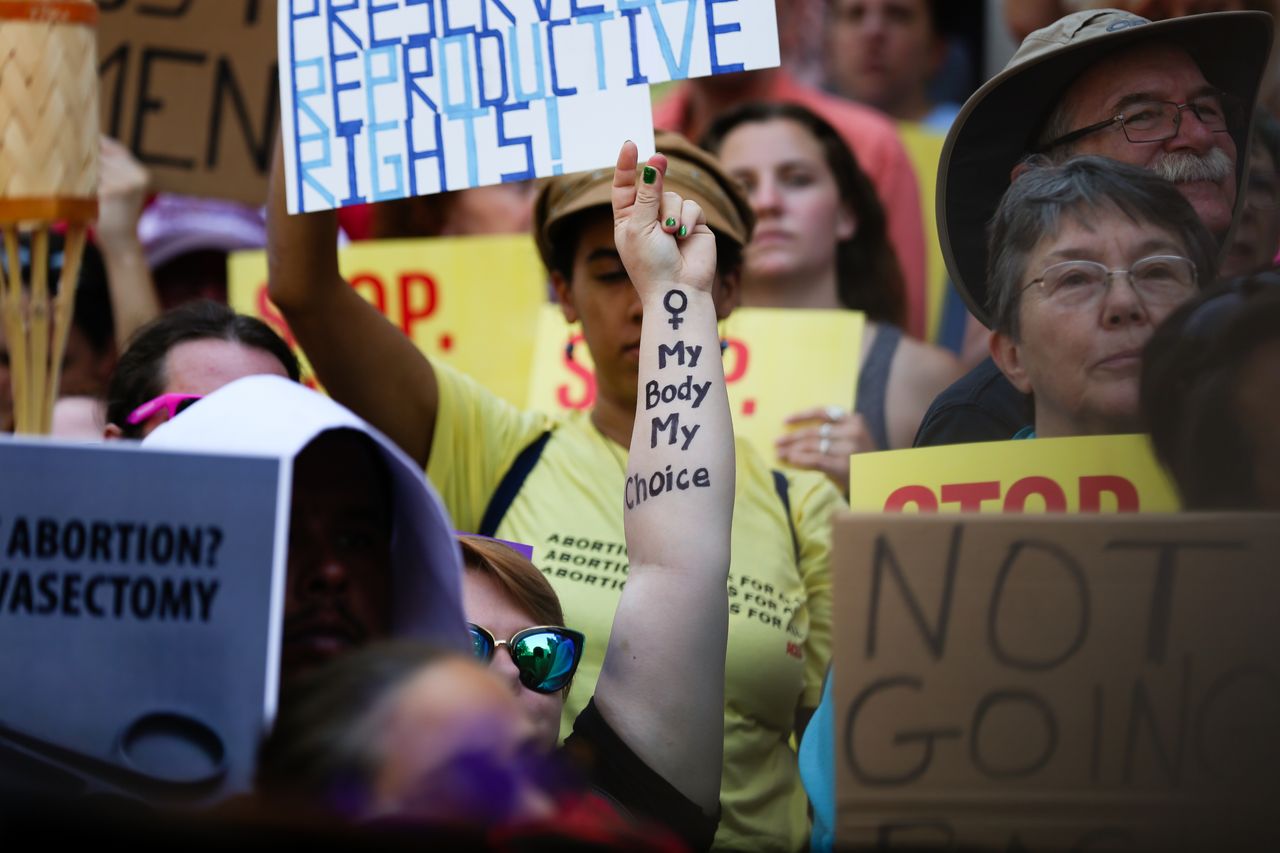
x,y
688,434
679,351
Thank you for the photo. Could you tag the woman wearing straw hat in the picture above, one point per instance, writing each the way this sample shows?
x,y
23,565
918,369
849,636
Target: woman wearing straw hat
x,y
553,482
1086,85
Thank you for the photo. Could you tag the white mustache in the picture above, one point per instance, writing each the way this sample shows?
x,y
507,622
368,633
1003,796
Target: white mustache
x,y
1182,167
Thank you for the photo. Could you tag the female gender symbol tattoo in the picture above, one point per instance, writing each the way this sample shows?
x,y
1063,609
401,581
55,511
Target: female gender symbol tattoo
x,y
675,310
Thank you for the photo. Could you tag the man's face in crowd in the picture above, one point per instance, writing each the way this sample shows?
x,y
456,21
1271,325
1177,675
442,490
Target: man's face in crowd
x,y
883,52
338,588
1158,73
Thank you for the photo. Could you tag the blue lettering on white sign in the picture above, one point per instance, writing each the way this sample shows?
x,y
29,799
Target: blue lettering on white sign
x,y
392,98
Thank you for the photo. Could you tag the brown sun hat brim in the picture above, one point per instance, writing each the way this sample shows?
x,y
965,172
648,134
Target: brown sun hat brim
x,y
692,172
996,127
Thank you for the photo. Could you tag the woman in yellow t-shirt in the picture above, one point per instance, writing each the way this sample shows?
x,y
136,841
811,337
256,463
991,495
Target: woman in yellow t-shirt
x,y
553,482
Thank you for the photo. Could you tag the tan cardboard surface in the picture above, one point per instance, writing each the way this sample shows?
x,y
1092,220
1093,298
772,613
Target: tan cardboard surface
x,y
1056,680
190,86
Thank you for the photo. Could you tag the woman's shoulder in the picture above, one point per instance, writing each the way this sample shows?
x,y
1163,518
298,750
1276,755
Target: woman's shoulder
x,y
924,365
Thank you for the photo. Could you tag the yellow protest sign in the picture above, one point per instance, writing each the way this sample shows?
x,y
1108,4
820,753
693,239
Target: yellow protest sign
x,y
777,362
471,302
1085,474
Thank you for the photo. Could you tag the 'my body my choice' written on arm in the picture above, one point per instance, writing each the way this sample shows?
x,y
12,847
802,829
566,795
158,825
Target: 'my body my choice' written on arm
x,y
383,100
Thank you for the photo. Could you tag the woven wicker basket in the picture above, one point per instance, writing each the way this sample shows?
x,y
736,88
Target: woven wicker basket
x,y
48,173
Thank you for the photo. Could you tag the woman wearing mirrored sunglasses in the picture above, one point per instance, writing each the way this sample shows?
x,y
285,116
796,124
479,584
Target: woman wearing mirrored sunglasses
x,y
506,599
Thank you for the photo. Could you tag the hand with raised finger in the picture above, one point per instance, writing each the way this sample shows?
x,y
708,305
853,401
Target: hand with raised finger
x,y
663,239
828,437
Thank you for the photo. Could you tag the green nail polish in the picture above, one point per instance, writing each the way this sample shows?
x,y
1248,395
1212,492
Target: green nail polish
x,y
650,174
671,222
684,231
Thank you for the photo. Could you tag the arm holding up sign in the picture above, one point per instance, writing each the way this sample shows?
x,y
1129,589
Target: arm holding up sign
x,y
346,339
667,649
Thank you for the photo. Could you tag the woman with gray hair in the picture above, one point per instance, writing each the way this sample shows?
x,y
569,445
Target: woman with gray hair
x,y
1086,259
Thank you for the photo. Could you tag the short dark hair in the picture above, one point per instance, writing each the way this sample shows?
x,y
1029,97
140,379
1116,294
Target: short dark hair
x,y
868,276
1036,202
139,375
1189,387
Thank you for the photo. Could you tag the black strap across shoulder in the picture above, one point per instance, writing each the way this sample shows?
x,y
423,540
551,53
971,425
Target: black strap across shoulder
x,y
520,469
781,486
510,486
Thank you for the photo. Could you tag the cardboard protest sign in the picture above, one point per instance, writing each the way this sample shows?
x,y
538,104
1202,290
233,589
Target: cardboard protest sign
x,y
1055,683
471,302
385,100
140,613
1085,474
778,362
192,89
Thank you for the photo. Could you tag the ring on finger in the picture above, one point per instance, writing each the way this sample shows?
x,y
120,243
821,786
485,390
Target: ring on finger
x,y
824,446
824,431
834,413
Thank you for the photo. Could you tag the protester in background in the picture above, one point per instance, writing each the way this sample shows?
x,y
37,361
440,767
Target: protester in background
x,y
886,53
187,240
183,355
371,552
1166,96
1087,258
820,243
1211,396
690,107
553,483
1255,242
427,750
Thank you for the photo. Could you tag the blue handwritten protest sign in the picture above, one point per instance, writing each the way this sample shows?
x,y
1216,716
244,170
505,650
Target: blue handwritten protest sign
x,y
383,99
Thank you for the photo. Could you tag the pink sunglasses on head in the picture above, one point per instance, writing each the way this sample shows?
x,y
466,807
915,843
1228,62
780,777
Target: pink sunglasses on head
x,y
171,403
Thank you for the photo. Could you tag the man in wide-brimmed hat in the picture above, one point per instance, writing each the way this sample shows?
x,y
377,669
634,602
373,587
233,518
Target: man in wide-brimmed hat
x,y
1173,96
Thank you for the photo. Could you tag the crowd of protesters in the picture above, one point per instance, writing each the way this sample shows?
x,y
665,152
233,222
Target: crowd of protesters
x,y
1102,262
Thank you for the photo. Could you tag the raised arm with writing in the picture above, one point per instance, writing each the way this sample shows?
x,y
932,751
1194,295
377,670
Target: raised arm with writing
x,y
662,684
363,361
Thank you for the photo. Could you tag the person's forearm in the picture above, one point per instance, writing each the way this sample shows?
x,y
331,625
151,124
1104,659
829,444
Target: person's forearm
x,y
301,250
133,293
363,361
680,474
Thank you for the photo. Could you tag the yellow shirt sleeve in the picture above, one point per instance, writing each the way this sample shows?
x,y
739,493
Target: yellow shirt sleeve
x,y
477,437
814,500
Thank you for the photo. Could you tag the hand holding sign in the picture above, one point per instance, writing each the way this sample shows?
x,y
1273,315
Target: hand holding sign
x,y
663,240
822,439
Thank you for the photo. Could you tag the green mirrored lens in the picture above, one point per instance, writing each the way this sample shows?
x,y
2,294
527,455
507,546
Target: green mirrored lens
x,y
546,660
